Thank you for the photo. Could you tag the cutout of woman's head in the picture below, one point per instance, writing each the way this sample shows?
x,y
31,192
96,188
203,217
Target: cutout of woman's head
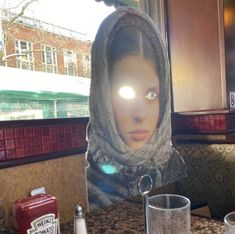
x,y
129,131
135,86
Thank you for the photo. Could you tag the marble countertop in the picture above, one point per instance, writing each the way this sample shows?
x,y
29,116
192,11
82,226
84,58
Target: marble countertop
x,y
127,218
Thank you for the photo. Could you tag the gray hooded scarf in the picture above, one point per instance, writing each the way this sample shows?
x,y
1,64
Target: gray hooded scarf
x,y
114,168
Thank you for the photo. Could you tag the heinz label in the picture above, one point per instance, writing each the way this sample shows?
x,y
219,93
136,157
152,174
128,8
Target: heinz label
x,y
46,224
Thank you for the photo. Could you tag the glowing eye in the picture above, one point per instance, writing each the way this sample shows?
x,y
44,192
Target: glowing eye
x,y
151,95
127,92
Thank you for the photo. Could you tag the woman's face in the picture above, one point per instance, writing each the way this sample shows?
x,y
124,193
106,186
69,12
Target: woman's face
x,y
135,99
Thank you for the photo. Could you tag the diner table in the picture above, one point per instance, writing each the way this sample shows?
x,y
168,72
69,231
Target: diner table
x,y
127,218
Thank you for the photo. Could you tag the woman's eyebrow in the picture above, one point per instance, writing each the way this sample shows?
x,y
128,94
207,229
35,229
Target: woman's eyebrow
x,y
153,88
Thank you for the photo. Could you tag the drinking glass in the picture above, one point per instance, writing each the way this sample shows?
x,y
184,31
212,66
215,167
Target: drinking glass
x,y
229,223
169,214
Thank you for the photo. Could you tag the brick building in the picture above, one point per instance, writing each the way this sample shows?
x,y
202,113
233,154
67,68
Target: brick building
x,y
35,45
39,49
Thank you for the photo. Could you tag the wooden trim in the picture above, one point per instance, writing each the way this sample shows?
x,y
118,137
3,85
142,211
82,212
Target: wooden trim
x,y
42,157
214,127
40,122
157,12
222,52
144,6
201,141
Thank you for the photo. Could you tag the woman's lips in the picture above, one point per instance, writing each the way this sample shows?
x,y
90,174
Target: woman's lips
x,y
139,135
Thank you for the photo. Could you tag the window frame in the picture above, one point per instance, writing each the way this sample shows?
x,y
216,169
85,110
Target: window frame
x,y
53,57
66,65
86,65
29,61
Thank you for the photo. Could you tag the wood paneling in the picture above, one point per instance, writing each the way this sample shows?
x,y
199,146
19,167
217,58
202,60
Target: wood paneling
x,y
196,47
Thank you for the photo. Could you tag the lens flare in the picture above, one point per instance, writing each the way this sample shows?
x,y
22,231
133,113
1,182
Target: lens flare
x,y
108,169
127,92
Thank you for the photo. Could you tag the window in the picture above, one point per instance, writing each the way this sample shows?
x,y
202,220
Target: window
x,y
24,59
55,50
70,63
86,63
27,95
42,95
49,63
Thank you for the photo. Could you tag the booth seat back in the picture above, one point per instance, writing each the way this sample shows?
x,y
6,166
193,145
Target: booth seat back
x,y
211,176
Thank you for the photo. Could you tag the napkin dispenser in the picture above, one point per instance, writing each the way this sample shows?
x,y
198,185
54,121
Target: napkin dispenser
x,y
36,214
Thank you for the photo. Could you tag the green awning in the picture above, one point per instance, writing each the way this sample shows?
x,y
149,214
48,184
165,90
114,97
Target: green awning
x,y
42,96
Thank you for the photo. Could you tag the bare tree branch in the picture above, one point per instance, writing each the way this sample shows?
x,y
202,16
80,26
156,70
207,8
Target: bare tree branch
x,y
10,8
5,32
22,10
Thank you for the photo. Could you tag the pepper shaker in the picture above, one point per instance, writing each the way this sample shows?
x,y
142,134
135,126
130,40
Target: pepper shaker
x,y
79,221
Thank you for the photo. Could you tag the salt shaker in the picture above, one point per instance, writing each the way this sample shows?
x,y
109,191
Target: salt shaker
x,y
79,221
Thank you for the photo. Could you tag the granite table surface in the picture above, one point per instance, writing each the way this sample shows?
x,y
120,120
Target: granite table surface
x,y
127,218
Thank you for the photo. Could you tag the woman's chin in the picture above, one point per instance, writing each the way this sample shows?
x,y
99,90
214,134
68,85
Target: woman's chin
x,y
137,145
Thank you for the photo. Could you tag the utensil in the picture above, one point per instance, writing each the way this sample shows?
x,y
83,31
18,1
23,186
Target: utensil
x,y
145,185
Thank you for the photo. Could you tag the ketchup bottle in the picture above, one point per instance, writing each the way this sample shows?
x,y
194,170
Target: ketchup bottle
x,y
35,215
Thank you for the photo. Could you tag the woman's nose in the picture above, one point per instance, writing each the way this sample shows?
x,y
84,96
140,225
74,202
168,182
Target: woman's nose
x,y
139,111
